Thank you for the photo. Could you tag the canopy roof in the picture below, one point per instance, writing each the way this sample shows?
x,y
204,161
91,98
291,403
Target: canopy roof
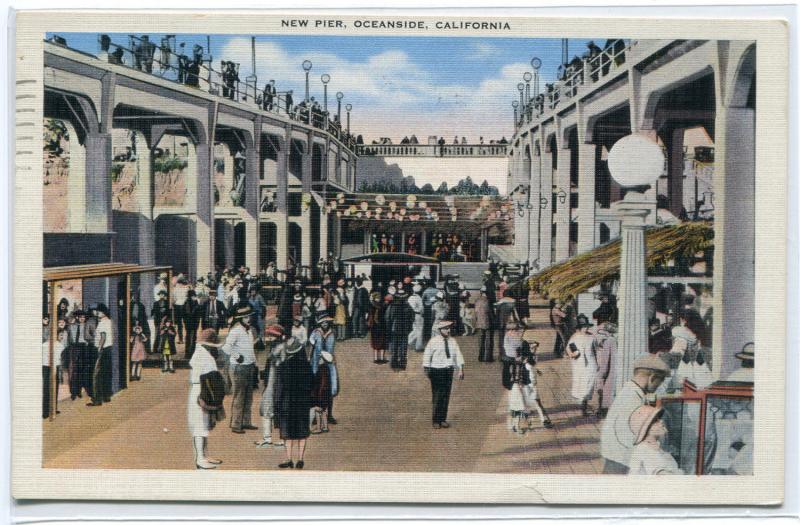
x,y
92,271
393,259
566,280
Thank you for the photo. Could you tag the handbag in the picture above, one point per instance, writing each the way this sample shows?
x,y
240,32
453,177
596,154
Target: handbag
x,y
212,391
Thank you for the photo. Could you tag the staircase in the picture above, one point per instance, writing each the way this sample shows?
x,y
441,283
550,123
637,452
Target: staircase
x,y
506,253
469,273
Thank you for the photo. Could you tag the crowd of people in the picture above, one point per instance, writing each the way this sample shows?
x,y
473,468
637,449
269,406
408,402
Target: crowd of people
x,y
223,324
444,247
414,141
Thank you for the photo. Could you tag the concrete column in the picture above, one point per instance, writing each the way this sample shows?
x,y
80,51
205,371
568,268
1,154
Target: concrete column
x,y
734,236
204,222
562,216
252,203
534,213
227,175
675,169
281,201
632,301
305,238
98,183
546,217
305,221
322,234
586,201
337,236
76,183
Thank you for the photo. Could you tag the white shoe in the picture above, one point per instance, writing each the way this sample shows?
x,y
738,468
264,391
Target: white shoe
x,y
204,464
263,444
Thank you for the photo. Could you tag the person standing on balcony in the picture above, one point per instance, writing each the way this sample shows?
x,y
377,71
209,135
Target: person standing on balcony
x,y
289,103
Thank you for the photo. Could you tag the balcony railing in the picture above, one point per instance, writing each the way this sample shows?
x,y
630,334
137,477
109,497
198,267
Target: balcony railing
x,y
196,71
431,150
590,72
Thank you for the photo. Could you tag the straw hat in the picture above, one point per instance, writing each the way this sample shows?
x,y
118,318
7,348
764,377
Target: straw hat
x,y
275,330
442,324
642,419
242,312
747,353
652,362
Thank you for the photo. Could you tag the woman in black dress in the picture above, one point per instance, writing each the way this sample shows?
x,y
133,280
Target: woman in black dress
x,y
294,405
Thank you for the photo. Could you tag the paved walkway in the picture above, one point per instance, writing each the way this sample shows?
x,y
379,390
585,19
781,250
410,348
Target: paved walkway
x,y
384,423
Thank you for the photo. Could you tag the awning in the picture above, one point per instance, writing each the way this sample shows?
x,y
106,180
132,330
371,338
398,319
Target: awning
x,y
566,280
92,271
392,259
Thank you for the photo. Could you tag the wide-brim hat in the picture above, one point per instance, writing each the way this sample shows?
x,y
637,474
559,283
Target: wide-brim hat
x,y
324,319
442,324
102,308
747,353
642,419
652,362
583,322
242,312
401,292
209,338
298,318
326,356
298,297
164,292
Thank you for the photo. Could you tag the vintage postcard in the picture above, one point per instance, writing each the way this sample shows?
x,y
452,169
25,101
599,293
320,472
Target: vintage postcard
x,y
350,257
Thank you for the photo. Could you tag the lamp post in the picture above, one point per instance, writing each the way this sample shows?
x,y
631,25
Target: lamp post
x,y
536,63
527,78
307,69
339,97
633,161
325,79
348,107
515,105
521,88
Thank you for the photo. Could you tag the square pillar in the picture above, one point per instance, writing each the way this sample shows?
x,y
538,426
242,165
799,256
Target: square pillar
x,y
282,202
546,208
252,203
98,183
204,212
562,215
587,154
534,214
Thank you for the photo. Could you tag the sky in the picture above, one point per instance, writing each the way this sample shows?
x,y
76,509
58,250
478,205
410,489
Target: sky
x,y
398,86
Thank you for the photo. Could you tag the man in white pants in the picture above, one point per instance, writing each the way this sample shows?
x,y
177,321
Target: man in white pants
x,y
416,338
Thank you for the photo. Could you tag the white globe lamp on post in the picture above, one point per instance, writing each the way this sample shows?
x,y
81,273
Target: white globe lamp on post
x,y
633,161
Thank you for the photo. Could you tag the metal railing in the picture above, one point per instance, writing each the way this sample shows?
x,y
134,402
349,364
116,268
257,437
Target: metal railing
x,y
591,71
196,70
431,150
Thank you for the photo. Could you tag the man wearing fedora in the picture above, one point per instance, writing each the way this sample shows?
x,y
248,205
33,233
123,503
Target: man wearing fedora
x,y
441,358
747,358
399,321
616,438
323,339
101,378
242,357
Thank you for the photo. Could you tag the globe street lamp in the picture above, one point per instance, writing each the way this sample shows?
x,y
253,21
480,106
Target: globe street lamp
x,y
527,78
325,79
339,97
536,64
521,88
633,161
306,68
348,107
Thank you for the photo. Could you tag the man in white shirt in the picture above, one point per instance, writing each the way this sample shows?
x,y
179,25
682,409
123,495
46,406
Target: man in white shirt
x,y
101,380
616,438
239,349
442,356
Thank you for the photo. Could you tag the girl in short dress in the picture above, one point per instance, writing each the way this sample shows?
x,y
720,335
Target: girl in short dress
x,y
167,342
138,344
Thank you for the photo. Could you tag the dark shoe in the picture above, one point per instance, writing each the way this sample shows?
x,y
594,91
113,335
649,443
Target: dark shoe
x,y
300,464
332,420
249,427
548,424
445,424
237,431
72,398
107,400
376,361
286,464
172,371
325,430
93,404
